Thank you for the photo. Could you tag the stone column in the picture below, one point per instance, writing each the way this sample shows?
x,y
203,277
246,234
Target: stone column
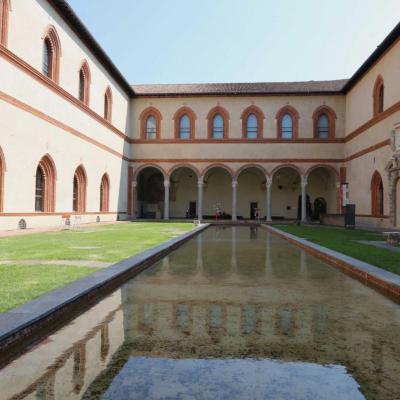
x,y
304,180
134,200
234,200
166,199
200,187
269,198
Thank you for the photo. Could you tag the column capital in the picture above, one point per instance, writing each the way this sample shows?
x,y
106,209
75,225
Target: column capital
x,y
166,183
304,180
200,181
268,180
234,183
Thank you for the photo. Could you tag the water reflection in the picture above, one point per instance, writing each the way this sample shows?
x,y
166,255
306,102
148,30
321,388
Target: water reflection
x,y
230,293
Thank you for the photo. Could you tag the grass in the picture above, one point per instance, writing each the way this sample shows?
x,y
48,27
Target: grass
x,y
107,243
21,283
345,241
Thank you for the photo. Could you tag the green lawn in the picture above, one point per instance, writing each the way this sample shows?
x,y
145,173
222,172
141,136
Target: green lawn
x,y
103,243
345,241
107,243
21,283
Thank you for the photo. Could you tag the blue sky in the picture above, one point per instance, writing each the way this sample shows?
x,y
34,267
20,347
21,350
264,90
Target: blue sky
x,y
184,41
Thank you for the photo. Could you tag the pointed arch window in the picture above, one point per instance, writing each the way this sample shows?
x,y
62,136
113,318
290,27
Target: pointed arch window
x,y
84,83
4,14
45,185
184,127
252,127
79,191
51,55
184,121
377,206
379,96
287,119
108,105
287,127
150,123
104,193
218,123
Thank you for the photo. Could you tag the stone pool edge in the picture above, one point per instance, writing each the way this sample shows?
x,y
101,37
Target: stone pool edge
x,y
386,282
36,316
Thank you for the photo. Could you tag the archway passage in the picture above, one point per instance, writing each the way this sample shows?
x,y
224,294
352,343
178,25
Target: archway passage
x,y
251,194
286,189
322,189
217,193
150,193
183,193
45,185
104,194
79,190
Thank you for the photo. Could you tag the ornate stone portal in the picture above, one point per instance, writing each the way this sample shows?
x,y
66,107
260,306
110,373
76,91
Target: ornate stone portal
x,y
393,170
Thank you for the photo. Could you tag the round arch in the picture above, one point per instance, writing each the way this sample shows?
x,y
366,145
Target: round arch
x,y
295,119
253,109
188,166
248,166
138,170
222,166
226,117
144,115
292,166
326,166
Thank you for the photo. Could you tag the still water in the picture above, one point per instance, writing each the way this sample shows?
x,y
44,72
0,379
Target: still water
x,y
234,313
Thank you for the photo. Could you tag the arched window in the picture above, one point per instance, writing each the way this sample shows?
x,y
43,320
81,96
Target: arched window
x,y
378,96
377,195
104,193
39,190
323,126
218,121
218,127
184,127
4,10
51,54
252,127
252,123
79,190
47,58
150,123
287,127
108,104
184,120
84,83
45,182
151,127
287,123
324,123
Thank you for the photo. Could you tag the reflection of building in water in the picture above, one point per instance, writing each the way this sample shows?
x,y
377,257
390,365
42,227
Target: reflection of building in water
x,y
64,365
200,302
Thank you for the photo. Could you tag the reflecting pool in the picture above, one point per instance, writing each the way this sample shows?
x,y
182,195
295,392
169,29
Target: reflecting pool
x,y
234,313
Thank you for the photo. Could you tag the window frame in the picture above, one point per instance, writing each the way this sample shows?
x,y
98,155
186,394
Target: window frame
x,y
192,120
225,117
295,122
145,114
330,113
260,122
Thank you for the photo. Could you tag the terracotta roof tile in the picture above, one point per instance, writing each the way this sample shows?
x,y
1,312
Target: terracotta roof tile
x,y
257,88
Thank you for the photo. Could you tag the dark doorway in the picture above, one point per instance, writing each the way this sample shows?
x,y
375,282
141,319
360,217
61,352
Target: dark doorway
x,y
308,208
319,207
253,209
192,210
